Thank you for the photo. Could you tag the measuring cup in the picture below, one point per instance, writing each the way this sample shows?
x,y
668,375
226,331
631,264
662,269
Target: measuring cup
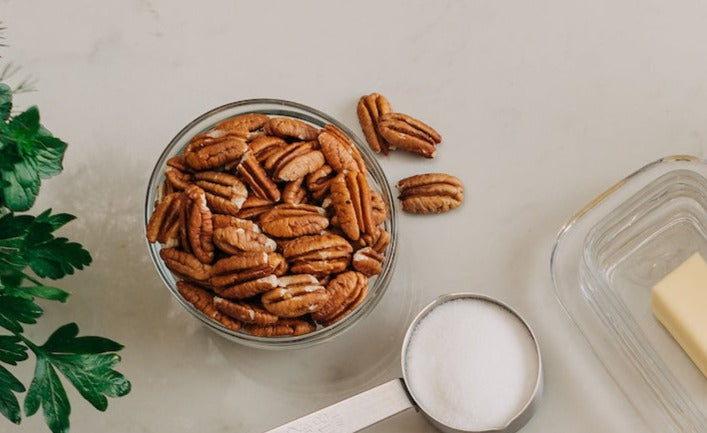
x,y
376,404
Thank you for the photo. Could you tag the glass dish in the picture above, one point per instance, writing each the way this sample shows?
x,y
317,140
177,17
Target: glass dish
x,y
604,264
377,181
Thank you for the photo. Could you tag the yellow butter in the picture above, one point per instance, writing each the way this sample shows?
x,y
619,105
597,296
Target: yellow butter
x,y
679,302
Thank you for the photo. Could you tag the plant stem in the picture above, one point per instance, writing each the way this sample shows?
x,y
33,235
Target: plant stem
x,y
33,280
35,349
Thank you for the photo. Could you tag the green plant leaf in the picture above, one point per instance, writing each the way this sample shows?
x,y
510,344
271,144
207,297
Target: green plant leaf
x,y
9,155
57,257
9,385
15,310
47,391
87,362
14,226
28,152
5,101
10,277
23,128
44,292
11,351
20,186
56,221
48,154
65,340
26,240
93,376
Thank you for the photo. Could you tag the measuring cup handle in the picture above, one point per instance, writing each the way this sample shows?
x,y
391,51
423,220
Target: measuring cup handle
x,y
354,413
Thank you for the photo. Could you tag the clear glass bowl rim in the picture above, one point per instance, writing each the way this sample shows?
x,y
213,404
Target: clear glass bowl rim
x,y
277,107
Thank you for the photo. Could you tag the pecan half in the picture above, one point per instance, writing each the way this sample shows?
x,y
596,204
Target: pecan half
x,y
254,175
346,292
264,146
197,225
202,140
245,125
430,193
254,206
278,263
235,240
203,301
244,312
368,261
379,210
340,153
369,110
163,226
351,198
318,255
282,327
164,190
216,154
185,265
240,268
177,178
225,193
179,162
243,275
408,133
287,127
378,240
223,221
296,295
248,288
294,193
318,182
294,161
292,220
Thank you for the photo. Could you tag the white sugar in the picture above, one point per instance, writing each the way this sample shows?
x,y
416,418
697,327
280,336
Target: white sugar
x,y
471,364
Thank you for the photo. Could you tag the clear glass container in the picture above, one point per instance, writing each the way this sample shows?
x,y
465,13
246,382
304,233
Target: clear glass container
x,y
604,263
377,181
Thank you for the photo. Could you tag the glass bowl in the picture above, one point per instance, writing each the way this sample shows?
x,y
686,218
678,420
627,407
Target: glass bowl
x,y
377,181
606,260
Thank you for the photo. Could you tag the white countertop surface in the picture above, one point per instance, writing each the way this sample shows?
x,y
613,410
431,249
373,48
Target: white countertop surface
x,y
541,105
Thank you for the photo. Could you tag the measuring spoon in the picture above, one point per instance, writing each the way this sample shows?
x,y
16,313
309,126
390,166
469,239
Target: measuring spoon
x,y
383,401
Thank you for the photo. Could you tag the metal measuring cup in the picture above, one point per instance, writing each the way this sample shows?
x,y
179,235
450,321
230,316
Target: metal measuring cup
x,y
383,401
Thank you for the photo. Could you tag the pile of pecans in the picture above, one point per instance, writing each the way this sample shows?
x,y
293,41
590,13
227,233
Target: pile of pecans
x,y
386,130
271,225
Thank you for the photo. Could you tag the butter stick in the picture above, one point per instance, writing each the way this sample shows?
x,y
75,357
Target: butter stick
x,y
679,302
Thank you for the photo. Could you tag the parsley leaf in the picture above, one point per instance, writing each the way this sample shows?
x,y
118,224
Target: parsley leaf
x,y
5,101
31,153
11,350
10,276
20,186
23,127
48,153
65,340
29,241
47,391
15,310
57,257
86,362
9,406
56,221
30,292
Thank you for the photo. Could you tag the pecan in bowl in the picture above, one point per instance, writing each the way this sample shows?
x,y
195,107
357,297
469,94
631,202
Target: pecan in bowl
x,y
272,223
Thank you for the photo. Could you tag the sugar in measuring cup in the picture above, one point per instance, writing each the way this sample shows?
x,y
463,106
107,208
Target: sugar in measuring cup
x,y
470,364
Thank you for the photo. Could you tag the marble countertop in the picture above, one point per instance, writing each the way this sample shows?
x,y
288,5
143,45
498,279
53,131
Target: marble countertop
x,y
541,105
